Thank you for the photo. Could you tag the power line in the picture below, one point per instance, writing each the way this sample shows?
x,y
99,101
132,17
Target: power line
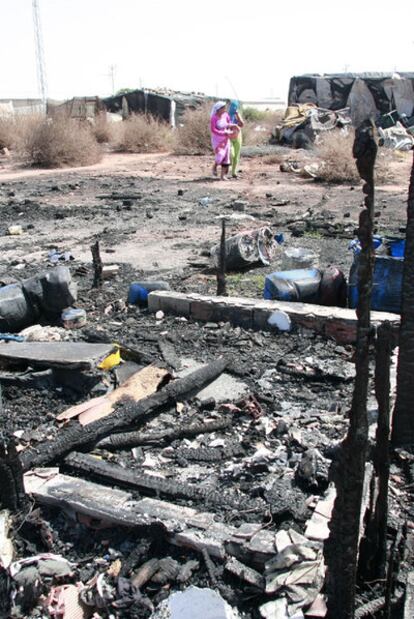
x,y
40,55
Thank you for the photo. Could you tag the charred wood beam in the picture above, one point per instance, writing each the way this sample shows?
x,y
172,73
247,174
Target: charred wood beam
x,y
208,454
341,548
370,608
252,577
403,418
74,436
12,493
376,534
211,568
168,354
183,526
135,439
394,562
97,265
221,269
101,470
145,573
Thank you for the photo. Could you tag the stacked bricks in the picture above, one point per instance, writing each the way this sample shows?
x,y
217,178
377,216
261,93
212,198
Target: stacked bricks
x,y
335,322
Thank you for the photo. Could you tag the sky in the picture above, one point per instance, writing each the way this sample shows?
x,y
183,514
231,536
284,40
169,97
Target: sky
x,y
247,49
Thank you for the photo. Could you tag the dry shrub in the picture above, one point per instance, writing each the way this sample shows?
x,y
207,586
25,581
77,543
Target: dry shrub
x,y
102,129
142,133
7,132
193,137
335,150
58,143
255,134
384,165
275,159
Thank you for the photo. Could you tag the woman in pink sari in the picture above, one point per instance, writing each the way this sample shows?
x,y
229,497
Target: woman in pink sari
x,y
221,130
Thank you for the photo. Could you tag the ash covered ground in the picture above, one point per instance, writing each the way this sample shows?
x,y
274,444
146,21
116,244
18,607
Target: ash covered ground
x,y
288,394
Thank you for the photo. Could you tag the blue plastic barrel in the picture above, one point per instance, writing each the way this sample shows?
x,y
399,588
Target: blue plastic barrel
x,y
295,285
387,284
139,291
397,248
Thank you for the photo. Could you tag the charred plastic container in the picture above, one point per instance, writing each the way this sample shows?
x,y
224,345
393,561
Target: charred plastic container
x,y
296,285
386,286
387,277
327,287
22,304
139,291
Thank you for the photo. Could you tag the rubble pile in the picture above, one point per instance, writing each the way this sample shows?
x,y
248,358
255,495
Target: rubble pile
x,y
184,465
214,491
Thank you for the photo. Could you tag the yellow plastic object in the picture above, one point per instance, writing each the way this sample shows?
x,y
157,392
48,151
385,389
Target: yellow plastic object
x,y
111,361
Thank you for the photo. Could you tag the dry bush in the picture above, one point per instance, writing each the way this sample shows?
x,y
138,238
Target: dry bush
x,y
102,129
57,143
7,132
142,133
335,150
254,135
384,165
193,137
275,159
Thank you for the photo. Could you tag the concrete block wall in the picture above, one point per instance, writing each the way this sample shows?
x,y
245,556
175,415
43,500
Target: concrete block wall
x,y
336,322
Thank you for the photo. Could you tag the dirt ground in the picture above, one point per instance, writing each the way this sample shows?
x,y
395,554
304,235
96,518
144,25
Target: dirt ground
x,y
157,231
147,214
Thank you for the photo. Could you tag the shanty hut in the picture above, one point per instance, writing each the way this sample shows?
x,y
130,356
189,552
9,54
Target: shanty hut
x,y
379,93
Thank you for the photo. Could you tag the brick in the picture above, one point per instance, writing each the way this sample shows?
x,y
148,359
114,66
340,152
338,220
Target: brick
x,y
239,316
204,311
336,322
154,302
260,316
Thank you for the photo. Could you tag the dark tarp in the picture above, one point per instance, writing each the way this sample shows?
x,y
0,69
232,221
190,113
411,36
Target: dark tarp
x,y
169,108
141,101
336,92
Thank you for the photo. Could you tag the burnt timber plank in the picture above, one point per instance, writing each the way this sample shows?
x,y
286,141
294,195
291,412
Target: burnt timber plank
x,y
183,526
68,355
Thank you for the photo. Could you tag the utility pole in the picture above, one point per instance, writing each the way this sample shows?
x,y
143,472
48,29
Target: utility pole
x,y
40,54
111,74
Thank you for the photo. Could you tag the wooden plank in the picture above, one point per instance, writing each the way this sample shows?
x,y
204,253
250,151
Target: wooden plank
x,y
67,355
74,435
184,526
138,386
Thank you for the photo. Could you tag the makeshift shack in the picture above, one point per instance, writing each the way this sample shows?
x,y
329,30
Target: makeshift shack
x,y
382,92
168,106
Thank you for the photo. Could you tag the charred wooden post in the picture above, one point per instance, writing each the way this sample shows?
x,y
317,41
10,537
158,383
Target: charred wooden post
x,y
395,558
403,418
135,439
377,533
342,546
12,494
97,265
86,466
75,436
221,269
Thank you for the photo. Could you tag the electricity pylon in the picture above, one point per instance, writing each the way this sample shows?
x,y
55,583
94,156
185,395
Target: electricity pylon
x,y
40,54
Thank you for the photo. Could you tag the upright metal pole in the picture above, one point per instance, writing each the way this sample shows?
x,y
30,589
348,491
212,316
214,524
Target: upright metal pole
x,y
40,55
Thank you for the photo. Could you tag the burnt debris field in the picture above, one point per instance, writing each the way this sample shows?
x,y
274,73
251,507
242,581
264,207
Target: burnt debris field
x,y
188,454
